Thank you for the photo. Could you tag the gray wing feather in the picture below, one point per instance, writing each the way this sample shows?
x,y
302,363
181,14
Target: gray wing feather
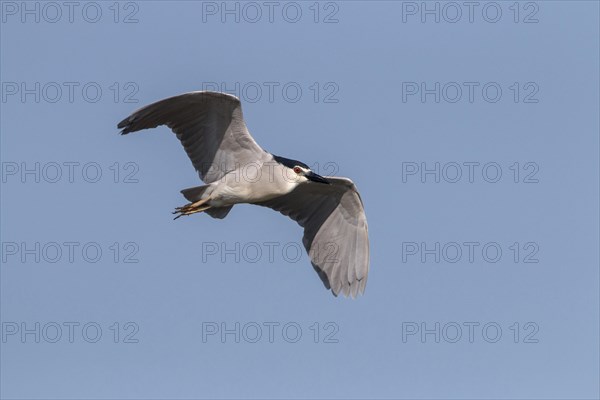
x,y
335,231
210,126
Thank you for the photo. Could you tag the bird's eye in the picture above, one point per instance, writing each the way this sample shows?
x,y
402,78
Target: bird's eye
x,y
297,170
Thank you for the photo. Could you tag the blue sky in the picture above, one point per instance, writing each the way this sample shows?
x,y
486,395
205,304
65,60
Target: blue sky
x,y
471,133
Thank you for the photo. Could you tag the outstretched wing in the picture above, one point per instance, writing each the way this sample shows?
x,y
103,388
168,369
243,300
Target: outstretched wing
x,y
335,231
210,126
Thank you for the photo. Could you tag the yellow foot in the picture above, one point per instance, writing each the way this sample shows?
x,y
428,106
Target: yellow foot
x,y
191,208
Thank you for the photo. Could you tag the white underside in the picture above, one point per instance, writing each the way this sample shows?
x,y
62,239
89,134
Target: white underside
x,y
251,184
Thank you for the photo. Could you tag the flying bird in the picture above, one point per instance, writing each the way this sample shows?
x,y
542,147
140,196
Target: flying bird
x,y
211,128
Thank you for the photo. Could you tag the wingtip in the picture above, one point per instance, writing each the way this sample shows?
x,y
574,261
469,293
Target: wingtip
x,y
125,126
123,123
353,289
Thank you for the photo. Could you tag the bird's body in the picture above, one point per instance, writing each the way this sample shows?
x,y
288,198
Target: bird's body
x,y
256,183
236,170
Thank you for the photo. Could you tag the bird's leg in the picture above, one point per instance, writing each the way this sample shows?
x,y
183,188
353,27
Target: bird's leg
x,y
192,208
190,212
186,207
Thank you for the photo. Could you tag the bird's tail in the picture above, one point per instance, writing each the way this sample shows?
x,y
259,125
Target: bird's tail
x,y
197,193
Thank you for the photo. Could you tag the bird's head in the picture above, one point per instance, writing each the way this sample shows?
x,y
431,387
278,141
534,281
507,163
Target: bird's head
x,y
299,172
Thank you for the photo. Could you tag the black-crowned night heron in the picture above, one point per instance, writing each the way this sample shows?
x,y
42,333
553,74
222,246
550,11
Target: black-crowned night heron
x,y
237,170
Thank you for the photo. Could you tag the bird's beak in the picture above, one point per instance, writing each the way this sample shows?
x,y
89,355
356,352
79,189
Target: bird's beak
x,y
316,178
